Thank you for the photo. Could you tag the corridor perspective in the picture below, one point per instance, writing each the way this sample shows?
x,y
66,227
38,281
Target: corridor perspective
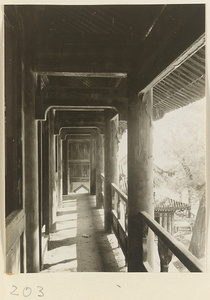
x,y
84,87
79,243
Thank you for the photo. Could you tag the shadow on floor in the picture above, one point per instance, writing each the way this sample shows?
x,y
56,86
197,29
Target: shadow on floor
x,y
46,266
80,244
105,249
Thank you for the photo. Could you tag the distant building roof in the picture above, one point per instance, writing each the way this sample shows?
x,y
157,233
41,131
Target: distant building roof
x,y
170,205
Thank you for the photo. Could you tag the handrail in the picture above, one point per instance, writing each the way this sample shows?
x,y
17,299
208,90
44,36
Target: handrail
x,y
185,256
123,196
177,248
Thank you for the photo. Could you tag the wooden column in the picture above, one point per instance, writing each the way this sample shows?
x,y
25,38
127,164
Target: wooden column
x,y
65,168
140,173
99,169
102,143
60,172
110,165
68,168
52,188
57,196
93,164
45,172
40,162
31,173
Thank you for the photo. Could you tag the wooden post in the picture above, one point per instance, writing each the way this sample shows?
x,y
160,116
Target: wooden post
x,y
65,168
40,161
45,172
31,174
99,169
60,172
52,189
93,165
69,190
140,173
110,165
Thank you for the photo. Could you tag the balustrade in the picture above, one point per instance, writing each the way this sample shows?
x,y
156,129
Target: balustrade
x,y
119,201
170,244
165,240
119,216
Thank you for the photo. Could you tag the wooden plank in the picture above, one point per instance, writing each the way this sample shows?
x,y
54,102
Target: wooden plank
x,y
86,74
185,256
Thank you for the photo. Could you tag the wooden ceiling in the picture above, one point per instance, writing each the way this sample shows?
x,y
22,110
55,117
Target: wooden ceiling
x,y
83,54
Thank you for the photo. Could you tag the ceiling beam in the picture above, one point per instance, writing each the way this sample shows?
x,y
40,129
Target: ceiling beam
x,y
77,119
85,74
83,100
77,131
50,93
59,125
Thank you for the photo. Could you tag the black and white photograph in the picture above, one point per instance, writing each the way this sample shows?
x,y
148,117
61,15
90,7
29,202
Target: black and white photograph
x,y
104,146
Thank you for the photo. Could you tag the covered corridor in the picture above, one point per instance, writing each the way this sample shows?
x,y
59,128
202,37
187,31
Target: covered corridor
x,y
79,243
77,78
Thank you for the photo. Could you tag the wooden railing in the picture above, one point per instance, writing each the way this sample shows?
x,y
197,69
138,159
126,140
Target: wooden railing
x,y
119,205
119,216
167,244
177,248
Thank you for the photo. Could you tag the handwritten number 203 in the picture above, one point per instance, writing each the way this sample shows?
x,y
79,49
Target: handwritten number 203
x,y
27,291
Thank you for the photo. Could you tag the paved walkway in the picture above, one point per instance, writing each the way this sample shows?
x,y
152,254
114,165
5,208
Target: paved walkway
x,y
79,243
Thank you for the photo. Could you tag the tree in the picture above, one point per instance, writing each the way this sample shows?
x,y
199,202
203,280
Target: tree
x,y
198,241
179,149
179,146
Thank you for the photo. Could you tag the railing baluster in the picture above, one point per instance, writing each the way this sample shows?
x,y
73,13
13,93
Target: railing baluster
x,y
167,244
165,255
120,208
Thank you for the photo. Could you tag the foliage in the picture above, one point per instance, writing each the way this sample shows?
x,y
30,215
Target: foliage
x,y
179,149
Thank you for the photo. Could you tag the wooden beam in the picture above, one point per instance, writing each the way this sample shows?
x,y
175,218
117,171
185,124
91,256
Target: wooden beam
x,y
60,125
84,74
86,102
46,65
77,138
51,93
77,131
81,116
